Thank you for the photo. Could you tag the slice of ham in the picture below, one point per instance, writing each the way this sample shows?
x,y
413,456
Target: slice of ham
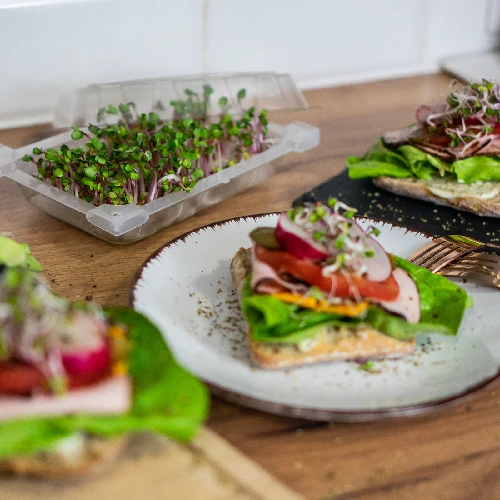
x,y
488,145
399,137
266,280
419,137
407,304
112,396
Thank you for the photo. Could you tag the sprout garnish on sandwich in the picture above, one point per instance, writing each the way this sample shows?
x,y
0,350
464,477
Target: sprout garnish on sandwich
x,y
450,156
75,379
319,287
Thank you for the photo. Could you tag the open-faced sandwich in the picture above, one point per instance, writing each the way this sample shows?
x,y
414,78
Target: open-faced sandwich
x,y
451,156
75,380
318,287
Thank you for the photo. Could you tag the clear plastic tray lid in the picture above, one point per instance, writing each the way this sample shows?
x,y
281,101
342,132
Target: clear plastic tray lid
x,y
6,159
209,94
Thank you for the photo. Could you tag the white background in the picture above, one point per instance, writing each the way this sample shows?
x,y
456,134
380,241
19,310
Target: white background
x,y
47,47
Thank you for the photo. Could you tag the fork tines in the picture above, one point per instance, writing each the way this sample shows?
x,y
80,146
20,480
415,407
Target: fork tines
x,y
440,252
481,267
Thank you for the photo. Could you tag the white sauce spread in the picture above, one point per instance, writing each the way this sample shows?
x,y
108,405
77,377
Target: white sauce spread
x,y
446,189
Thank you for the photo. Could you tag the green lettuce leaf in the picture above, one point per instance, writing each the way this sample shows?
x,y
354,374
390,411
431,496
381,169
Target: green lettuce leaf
x,y
423,165
478,168
371,169
166,399
409,161
14,254
272,320
442,305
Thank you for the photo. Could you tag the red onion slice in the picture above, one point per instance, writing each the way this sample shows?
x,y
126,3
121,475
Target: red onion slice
x,y
296,241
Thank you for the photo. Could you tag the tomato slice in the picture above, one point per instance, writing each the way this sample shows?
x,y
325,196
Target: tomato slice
x,y
22,379
341,284
85,379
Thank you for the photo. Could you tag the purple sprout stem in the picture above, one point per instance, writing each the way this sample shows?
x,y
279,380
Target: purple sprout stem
x,y
141,181
127,188
152,187
204,165
219,154
136,194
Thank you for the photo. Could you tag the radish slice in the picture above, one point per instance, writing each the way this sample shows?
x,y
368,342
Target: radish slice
x,y
407,304
375,268
84,362
84,348
297,241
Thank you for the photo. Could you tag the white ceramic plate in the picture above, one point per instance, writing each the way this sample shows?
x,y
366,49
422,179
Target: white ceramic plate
x,y
186,289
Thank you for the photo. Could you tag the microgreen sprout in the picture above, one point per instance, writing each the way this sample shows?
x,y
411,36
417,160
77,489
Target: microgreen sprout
x,y
369,366
372,230
316,293
332,226
139,157
470,114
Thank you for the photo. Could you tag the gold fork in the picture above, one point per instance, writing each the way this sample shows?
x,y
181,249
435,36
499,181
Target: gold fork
x,y
477,266
443,250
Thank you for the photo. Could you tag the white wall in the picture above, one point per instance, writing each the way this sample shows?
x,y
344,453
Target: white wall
x,y
51,46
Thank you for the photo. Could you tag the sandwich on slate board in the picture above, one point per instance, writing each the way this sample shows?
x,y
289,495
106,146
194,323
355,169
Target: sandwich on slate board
x,y
318,287
75,380
451,156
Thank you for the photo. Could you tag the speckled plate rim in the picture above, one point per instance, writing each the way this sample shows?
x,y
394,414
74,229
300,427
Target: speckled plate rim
x,y
317,414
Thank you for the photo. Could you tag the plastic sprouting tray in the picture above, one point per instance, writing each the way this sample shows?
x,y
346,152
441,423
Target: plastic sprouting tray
x,y
271,91
129,223
6,158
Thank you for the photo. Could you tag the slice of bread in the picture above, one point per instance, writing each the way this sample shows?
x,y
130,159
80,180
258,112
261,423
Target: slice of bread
x,y
74,456
330,343
468,197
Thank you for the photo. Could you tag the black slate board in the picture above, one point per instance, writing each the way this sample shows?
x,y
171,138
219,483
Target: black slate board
x,y
415,214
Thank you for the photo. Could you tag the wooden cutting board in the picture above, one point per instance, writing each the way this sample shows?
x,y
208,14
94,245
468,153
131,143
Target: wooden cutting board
x,y
151,468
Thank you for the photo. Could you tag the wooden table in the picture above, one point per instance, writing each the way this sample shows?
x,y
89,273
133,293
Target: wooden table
x,y
452,454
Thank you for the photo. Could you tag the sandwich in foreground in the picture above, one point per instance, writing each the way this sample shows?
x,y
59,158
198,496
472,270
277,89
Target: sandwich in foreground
x,y
75,380
451,156
318,287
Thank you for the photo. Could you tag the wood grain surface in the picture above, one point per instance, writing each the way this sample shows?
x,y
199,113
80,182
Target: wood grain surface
x,y
152,467
453,454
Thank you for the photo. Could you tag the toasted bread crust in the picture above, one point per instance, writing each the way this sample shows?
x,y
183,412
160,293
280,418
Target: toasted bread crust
x,y
416,188
95,454
329,344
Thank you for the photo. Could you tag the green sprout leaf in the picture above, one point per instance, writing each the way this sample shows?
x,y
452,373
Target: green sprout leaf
x,y
111,110
120,162
369,367
242,93
76,134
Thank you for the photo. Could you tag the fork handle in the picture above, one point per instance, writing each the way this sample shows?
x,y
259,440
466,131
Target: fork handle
x,y
471,241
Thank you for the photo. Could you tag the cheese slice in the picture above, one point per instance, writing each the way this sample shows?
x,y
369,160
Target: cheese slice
x,y
351,310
